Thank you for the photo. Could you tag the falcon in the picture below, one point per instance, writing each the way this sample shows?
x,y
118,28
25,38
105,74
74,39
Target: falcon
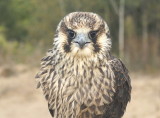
x,y
79,76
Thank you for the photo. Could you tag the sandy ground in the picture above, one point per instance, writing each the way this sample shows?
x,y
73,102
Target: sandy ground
x,y
19,97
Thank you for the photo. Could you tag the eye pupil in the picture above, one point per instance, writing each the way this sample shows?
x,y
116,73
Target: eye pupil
x,y
71,34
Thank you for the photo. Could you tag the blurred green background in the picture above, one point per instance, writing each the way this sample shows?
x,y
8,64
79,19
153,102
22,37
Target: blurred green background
x,y
27,28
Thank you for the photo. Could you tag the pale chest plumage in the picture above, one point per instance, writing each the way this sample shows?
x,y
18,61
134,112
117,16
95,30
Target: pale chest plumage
x,y
78,88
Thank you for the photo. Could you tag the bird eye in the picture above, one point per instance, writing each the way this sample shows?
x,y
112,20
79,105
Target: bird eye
x,y
92,34
71,34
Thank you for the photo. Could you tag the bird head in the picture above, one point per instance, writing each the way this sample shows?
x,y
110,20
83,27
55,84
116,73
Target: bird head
x,y
83,34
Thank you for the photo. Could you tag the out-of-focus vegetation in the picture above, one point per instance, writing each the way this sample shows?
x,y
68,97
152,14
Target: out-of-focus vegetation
x,y
27,28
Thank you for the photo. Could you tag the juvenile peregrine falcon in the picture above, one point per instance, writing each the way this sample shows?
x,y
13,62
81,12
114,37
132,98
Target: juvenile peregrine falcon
x,y
79,77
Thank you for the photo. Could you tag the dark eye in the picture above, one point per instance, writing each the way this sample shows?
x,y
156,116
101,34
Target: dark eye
x,y
92,34
71,34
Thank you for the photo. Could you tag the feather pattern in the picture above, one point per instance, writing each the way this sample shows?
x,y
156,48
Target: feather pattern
x,y
89,89
93,86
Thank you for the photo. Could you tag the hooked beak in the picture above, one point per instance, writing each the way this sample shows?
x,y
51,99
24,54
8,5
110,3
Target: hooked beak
x,y
81,40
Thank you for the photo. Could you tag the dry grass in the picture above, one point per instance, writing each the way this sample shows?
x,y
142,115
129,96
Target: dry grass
x,y
19,97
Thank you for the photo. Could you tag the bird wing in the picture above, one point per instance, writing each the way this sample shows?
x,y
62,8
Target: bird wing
x,y
122,90
44,75
121,72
